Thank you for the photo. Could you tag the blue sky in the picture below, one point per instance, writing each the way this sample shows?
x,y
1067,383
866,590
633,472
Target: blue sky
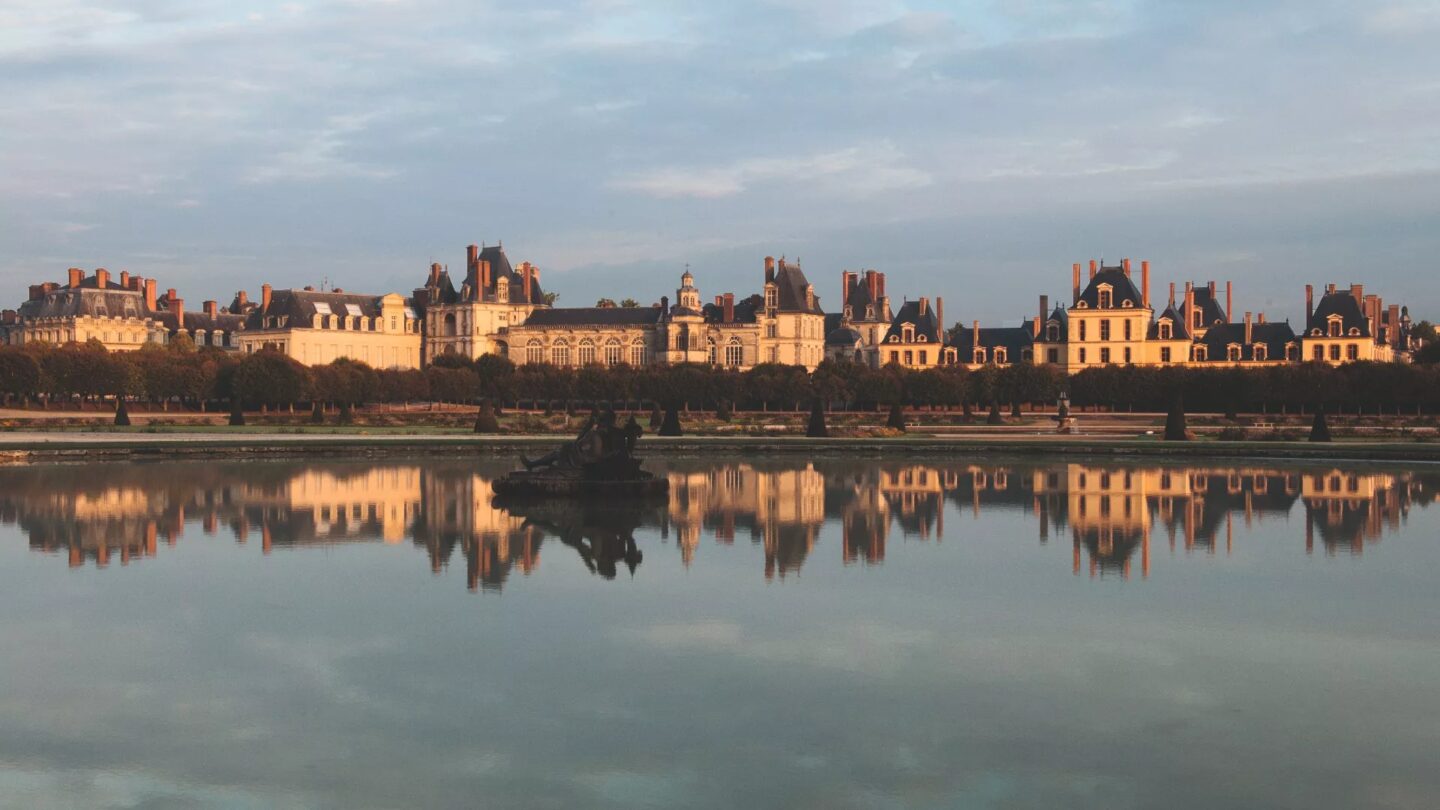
x,y
969,149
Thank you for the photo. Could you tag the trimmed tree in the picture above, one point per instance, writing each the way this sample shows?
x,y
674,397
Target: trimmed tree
x,y
1175,421
317,413
1320,429
671,425
122,413
237,412
816,429
994,418
485,421
896,421
657,419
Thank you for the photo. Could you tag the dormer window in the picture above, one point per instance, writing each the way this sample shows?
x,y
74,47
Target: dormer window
x,y
1082,305
909,332
770,296
1000,356
1334,326
1052,332
1127,304
922,339
979,356
1166,329
1259,351
1105,296
1200,352
849,312
1354,332
1232,352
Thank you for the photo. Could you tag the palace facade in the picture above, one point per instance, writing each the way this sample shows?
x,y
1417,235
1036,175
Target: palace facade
x,y
500,308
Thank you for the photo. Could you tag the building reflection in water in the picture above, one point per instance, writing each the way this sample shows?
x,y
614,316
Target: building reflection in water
x,y
1111,512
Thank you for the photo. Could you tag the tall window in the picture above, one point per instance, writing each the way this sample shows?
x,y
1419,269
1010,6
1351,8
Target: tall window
x,y
1165,354
1335,351
1082,354
770,329
1127,328
710,351
1164,330
1105,355
1105,329
1082,330
587,351
1127,349
1260,352
1317,353
534,352
1334,327
1352,352
1233,352
638,355
1052,332
560,353
734,353
614,352
1001,357
1106,298
1053,355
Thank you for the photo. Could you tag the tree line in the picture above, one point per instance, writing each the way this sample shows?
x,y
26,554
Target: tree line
x,y
180,375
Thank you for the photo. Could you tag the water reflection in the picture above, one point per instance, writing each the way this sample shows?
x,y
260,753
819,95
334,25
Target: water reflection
x,y
1112,513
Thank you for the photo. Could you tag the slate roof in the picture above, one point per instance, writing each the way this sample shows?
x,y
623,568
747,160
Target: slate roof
x,y
842,336
299,307
790,283
594,316
1211,312
1013,338
1125,289
200,321
926,324
857,298
746,310
444,291
1342,304
68,302
1275,336
1179,328
1061,317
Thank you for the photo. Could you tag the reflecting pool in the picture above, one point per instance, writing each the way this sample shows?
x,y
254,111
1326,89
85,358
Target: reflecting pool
x,y
832,634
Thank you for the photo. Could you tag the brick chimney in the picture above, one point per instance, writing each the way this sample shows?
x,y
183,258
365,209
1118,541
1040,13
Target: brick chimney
x,y
940,319
1229,304
923,305
9,316
1145,282
1249,330
1393,316
75,276
212,308
483,279
177,306
241,298
472,259
150,294
1125,263
1093,268
974,335
769,269
102,278
1044,308
125,279
1260,318
1357,291
1309,304
880,284
1075,283
1189,308
265,293
434,273
1172,294
37,291
529,277
728,304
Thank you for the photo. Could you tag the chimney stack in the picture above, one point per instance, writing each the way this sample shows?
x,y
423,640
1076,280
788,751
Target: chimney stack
x,y
940,319
880,283
1189,308
76,276
974,335
729,307
150,295
37,291
1229,302
1075,283
102,278
241,298
1092,268
1357,291
1309,304
770,269
177,306
1125,263
1172,294
1260,318
265,293
1044,308
472,259
528,275
212,308
1393,316
924,305
1249,330
125,279
1145,282
434,273
482,278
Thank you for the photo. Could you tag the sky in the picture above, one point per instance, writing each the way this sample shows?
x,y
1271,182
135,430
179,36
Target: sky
x,y
970,149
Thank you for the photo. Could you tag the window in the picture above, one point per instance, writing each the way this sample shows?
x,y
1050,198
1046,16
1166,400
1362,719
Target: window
x,y
1105,355
1082,330
710,352
1082,355
979,355
1335,351
1200,353
894,357
774,354
1232,352
1001,357
1165,329
769,297
637,353
1259,351
924,358
534,352
587,352
1164,354
1127,329
1106,298
614,352
1352,352
1317,353
1052,332
1292,352
1127,350
770,330
1027,355
560,353
1334,327
909,358
1052,355
734,353
1105,329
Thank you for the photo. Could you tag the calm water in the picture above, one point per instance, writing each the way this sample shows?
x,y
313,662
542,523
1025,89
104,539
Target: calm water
x,y
843,634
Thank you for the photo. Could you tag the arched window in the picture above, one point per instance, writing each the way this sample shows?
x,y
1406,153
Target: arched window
x,y
534,351
1334,326
1166,329
1292,352
587,351
979,356
1232,352
1200,352
638,355
560,353
1105,297
1052,332
614,352
734,353
1260,351
1001,356
710,351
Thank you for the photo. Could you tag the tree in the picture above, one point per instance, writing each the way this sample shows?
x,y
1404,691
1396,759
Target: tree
x,y
268,377
994,418
485,421
605,303
1429,354
1320,429
671,425
896,420
551,298
122,413
1175,421
1423,331
19,373
629,303
816,429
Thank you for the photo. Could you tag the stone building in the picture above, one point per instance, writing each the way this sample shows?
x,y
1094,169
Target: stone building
x,y
916,337
1345,326
121,312
493,296
317,327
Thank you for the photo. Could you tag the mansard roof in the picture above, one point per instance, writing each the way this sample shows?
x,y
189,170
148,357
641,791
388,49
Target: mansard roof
x,y
1124,288
790,284
202,321
842,336
746,310
300,306
1179,330
1060,317
1013,339
594,316
924,324
1275,337
1210,310
1344,305
82,301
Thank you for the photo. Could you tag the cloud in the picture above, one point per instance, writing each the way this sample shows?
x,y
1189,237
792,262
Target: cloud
x,y
855,171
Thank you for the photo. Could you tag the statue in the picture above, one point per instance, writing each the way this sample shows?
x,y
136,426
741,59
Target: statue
x,y
1064,422
600,460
